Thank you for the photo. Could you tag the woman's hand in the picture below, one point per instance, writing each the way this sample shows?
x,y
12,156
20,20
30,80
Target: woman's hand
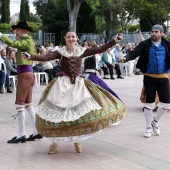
x,y
118,37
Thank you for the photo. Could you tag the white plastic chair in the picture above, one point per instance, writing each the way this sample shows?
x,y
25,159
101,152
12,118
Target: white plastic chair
x,y
12,77
3,64
38,77
123,68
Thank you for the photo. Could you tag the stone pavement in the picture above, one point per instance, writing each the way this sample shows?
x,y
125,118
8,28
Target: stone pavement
x,y
120,147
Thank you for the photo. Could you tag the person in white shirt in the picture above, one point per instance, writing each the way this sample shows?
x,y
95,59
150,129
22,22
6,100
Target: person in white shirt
x,y
110,62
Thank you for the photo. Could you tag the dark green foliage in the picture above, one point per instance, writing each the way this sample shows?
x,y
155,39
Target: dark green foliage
x,y
145,25
27,11
34,18
85,22
5,11
5,27
56,18
24,11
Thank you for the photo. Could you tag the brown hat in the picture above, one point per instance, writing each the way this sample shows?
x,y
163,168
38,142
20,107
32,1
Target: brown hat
x,y
22,25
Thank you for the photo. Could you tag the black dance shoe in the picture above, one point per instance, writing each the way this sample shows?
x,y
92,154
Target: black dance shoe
x,y
9,91
112,78
105,78
120,77
32,138
1,90
16,140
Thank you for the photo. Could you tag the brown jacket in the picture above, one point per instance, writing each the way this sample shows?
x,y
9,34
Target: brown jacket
x,y
72,65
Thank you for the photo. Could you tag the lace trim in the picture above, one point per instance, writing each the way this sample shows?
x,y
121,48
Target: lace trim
x,y
52,113
63,51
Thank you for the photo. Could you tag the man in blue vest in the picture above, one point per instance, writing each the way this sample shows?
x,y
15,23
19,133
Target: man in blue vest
x,y
154,62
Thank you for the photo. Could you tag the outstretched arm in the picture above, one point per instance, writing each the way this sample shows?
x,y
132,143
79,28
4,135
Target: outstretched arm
x,y
97,50
141,38
21,44
48,57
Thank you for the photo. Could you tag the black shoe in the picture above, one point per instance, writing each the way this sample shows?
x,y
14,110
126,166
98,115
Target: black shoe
x,y
105,78
9,91
119,77
112,78
31,137
155,109
138,73
16,140
1,91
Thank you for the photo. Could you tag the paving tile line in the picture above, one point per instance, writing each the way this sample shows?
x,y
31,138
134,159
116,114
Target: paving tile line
x,y
129,155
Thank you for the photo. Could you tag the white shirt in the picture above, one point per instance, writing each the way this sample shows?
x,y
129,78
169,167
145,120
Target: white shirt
x,y
109,58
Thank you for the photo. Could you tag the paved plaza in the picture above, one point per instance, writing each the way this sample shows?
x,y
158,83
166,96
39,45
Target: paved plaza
x,y
120,147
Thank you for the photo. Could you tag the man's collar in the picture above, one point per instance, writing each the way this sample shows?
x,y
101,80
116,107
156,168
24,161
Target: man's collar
x,y
156,43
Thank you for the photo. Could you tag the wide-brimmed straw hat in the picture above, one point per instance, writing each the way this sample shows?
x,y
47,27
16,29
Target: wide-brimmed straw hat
x,y
22,25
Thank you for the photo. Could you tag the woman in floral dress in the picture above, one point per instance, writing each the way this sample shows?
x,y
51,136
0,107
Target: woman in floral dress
x,y
72,108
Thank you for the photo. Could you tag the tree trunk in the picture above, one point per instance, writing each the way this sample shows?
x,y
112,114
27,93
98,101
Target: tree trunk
x,y
73,12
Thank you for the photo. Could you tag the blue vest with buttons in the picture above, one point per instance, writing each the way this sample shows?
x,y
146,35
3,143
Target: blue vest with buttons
x,y
157,63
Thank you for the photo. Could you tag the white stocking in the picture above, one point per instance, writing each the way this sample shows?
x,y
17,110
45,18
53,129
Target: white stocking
x,y
21,123
148,118
159,114
31,113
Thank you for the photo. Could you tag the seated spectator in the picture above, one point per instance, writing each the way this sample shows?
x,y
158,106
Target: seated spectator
x,y
51,45
7,82
111,64
101,40
117,52
91,63
56,66
48,67
85,44
9,61
2,76
38,68
3,54
106,39
130,64
102,65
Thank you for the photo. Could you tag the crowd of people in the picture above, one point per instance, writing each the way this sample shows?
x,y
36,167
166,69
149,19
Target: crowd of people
x,y
107,63
84,103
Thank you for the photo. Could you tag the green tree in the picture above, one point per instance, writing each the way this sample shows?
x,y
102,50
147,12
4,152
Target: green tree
x,y
34,18
27,10
55,16
24,11
105,10
5,27
151,12
0,5
73,7
5,11
126,13
84,18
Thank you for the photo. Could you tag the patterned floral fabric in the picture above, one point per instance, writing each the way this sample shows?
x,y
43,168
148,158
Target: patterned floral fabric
x,y
112,111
